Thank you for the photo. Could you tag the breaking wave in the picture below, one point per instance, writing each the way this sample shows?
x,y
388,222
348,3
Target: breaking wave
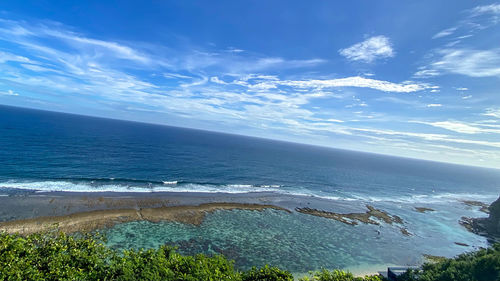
x,y
142,186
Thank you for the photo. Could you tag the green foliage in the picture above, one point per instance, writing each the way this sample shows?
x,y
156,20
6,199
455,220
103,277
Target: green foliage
x,y
166,264
47,257
62,257
266,273
56,256
337,275
482,265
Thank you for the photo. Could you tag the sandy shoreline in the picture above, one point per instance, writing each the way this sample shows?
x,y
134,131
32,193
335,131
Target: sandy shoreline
x,y
92,220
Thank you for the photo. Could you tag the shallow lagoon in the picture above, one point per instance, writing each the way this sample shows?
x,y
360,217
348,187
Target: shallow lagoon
x,y
299,242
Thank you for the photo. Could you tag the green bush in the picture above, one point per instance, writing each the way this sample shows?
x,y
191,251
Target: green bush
x,y
337,275
266,273
61,257
482,265
47,257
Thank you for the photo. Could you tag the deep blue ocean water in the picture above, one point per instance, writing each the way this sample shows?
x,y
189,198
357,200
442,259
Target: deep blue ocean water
x,y
53,151
46,151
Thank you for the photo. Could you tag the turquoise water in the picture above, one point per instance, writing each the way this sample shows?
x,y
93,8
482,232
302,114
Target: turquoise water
x,y
47,152
296,242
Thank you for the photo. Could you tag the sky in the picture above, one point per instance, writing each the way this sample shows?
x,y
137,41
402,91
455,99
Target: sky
x,y
417,79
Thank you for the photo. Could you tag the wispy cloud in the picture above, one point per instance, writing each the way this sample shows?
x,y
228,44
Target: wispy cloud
x,y
5,57
469,62
434,105
460,127
9,93
445,32
373,48
486,9
356,81
493,112
426,73
431,137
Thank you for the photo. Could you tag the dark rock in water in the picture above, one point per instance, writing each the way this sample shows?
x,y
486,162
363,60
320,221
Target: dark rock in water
x,y
434,259
489,227
405,231
423,209
372,216
462,244
468,223
354,218
484,207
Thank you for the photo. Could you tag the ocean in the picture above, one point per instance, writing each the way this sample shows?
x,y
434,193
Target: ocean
x,y
47,152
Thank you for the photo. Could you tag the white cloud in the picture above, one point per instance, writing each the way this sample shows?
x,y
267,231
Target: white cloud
x,y
469,62
9,93
430,137
444,33
216,79
5,57
462,89
426,73
272,82
359,82
335,120
486,9
493,112
234,50
170,75
377,47
434,105
454,126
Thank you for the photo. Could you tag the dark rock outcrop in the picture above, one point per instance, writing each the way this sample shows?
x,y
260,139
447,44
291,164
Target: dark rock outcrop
x,y
489,227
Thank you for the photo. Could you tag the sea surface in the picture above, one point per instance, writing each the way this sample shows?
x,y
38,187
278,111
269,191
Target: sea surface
x,y
44,151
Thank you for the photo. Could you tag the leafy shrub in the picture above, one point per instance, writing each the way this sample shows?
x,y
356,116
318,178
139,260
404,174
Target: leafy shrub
x,y
482,265
337,275
56,256
62,257
46,257
266,273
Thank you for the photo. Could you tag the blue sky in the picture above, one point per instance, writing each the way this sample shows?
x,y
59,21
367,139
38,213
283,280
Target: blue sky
x,y
417,79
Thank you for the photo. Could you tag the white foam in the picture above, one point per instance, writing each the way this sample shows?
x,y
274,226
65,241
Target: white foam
x,y
170,182
171,186
430,198
174,186
67,186
240,185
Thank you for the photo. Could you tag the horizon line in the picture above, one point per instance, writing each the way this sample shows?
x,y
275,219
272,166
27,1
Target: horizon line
x,y
251,136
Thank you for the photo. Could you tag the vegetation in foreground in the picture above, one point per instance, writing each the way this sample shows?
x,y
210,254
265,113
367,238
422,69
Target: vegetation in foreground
x,y
482,265
63,257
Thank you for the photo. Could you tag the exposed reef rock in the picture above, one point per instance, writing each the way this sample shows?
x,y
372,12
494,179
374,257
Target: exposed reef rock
x,y
368,217
88,221
424,209
488,227
434,259
484,207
